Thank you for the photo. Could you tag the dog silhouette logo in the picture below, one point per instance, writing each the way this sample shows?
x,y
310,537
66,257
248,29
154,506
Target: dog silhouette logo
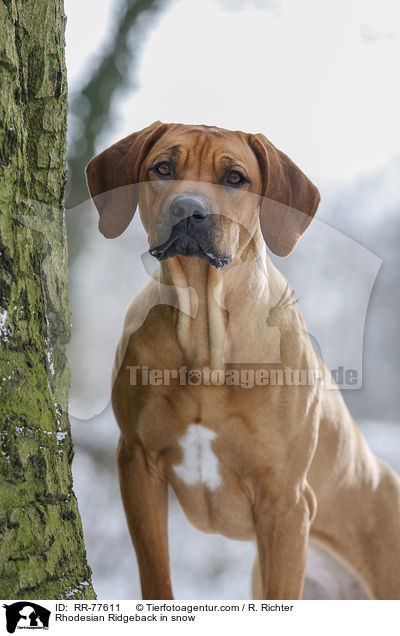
x,y
26,615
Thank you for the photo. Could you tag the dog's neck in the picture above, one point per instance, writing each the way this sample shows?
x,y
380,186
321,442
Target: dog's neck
x,y
212,322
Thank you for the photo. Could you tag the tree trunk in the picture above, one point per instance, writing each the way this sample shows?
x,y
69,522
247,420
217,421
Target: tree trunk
x,y
42,552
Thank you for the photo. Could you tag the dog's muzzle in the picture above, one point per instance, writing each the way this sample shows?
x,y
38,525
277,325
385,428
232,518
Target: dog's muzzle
x,y
192,231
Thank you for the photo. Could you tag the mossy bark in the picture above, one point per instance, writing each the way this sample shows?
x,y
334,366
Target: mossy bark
x,y
42,552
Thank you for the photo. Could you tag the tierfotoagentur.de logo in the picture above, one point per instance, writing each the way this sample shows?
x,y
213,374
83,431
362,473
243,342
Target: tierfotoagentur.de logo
x,y
245,378
26,615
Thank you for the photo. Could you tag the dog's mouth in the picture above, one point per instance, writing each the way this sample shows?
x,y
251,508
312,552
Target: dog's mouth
x,y
186,245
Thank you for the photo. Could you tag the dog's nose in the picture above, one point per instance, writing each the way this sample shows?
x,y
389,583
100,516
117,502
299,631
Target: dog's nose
x,y
191,206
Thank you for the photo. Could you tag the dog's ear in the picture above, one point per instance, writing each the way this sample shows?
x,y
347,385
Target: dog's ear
x,y
289,199
112,178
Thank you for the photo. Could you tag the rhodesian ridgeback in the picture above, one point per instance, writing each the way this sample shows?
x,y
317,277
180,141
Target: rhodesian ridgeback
x,y
277,461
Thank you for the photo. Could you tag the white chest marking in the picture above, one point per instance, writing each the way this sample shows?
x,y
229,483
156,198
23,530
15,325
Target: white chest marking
x,y
199,463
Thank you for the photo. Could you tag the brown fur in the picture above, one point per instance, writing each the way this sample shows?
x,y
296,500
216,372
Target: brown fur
x,y
292,462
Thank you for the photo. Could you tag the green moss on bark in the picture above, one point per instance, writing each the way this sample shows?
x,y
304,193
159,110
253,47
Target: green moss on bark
x,y
42,553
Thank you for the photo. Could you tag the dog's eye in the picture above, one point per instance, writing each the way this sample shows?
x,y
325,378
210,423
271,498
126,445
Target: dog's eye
x,y
163,168
234,177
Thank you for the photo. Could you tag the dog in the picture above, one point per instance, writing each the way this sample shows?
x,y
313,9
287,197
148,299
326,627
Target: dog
x,y
279,463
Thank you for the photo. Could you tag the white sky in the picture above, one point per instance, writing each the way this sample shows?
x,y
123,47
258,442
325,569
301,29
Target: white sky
x,y
319,78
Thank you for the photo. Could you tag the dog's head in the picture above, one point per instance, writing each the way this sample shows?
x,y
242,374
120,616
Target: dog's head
x,y
202,191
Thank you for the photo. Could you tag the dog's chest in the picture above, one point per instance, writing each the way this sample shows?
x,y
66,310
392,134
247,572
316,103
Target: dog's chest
x,y
199,463
204,460
206,484
204,447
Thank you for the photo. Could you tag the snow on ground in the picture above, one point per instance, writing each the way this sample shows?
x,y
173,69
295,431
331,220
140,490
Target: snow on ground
x,y
203,566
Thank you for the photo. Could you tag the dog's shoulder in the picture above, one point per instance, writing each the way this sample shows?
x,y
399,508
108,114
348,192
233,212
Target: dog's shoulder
x,y
135,317
148,324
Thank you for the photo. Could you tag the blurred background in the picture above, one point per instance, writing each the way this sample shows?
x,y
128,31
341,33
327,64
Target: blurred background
x,y
318,79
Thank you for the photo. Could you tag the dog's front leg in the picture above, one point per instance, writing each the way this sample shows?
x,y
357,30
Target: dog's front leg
x,y
145,499
282,530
